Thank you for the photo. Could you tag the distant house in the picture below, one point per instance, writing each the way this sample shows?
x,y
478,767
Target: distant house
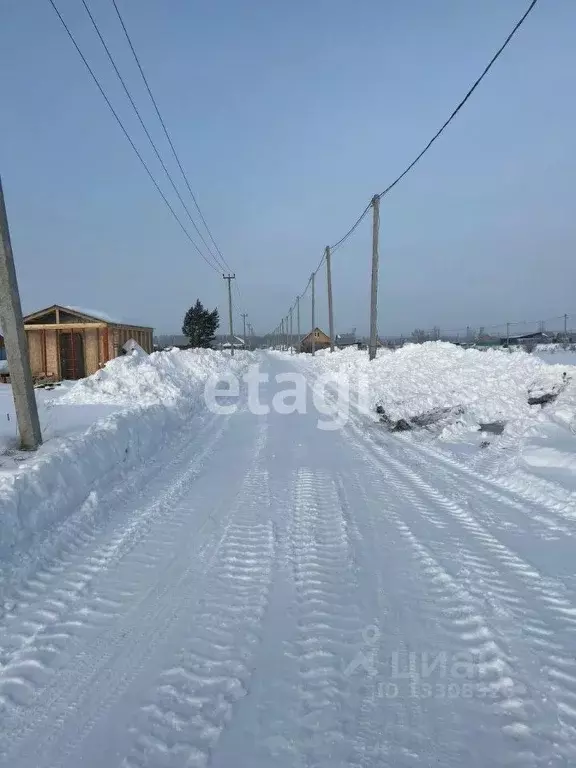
x,y
70,343
168,341
538,337
346,339
237,343
321,341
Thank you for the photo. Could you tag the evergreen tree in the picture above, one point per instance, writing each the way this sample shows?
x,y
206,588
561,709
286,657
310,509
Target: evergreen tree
x,y
200,325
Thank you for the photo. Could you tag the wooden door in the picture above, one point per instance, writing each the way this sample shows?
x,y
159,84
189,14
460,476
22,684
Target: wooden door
x,y
72,355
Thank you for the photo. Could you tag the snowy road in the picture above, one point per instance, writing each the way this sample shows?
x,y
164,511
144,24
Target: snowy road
x,y
265,593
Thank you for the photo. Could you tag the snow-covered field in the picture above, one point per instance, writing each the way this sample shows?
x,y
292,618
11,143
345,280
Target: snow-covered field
x,y
246,589
95,430
556,354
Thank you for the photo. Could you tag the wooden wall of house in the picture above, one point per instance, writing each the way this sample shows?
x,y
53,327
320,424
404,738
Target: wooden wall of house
x,y
43,361
52,354
120,334
35,352
91,351
100,346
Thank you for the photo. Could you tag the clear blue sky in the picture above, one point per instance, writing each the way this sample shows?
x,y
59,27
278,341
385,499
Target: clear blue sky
x,y
288,116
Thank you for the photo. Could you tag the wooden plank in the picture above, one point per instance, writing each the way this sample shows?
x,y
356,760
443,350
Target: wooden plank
x,y
106,346
58,355
44,354
63,326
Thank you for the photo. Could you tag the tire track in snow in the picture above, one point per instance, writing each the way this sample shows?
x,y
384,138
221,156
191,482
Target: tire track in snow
x,y
391,722
319,700
547,655
36,634
502,681
541,514
328,616
106,659
193,700
552,641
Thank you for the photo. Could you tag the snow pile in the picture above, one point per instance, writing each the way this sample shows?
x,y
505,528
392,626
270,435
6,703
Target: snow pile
x,y
146,398
488,385
468,388
163,377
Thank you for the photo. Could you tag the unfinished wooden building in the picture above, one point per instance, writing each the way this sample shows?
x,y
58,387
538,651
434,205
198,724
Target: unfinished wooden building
x,y
321,341
68,343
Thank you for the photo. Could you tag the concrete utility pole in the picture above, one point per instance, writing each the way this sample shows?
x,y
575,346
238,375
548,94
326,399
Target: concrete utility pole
x,y
507,334
291,334
230,278
313,317
565,327
282,333
373,346
15,341
244,316
330,312
298,320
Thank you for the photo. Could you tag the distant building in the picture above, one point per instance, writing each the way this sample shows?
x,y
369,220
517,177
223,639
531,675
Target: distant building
x,y
538,337
237,343
174,340
346,339
321,341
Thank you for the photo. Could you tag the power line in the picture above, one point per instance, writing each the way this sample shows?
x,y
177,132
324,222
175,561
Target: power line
x,y
166,133
127,135
146,131
492,61
352,229
444,126
464,100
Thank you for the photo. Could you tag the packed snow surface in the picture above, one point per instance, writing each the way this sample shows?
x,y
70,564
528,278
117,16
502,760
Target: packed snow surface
x,y
95,429
247,589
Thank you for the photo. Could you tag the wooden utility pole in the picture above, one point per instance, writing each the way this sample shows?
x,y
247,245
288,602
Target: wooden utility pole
x,y
291,334
15,341
313,317
230,278
244,315
507,334
330,312
565,327
374,285
282,333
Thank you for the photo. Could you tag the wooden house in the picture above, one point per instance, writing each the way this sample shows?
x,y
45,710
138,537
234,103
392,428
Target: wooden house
x,y
70,343
321,341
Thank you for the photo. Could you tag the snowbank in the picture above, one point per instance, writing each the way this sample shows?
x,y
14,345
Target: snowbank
x,y
490,385
145,398
169,377
472,387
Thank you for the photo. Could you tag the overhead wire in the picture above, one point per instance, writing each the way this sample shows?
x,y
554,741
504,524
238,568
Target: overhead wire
x,y
167,134
464,100
128,137
438,133
147,132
